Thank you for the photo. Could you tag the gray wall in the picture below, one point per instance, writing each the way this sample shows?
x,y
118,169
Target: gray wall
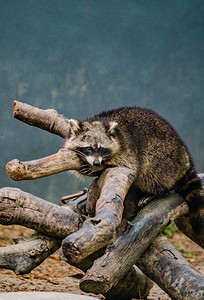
x,y
81,57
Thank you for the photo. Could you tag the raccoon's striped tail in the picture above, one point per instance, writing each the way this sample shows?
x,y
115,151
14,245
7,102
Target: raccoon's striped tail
x,y
191,189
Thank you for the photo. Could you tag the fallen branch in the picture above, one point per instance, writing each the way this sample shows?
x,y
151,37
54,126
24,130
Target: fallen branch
x,y
100,231
61,161
133,285
167,267
119,257
49,119
64,199
21,208
27,254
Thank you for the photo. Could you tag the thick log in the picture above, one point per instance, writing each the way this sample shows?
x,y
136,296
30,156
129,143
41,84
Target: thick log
x,y
128,282
133,285
123,254
21,208
167,267
61,161
99,231
27,254
49,119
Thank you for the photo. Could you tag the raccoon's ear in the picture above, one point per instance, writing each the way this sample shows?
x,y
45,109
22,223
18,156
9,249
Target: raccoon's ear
x,y
112,126
74,126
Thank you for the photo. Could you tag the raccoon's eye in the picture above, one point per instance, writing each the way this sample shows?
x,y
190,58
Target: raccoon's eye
x,y
87,150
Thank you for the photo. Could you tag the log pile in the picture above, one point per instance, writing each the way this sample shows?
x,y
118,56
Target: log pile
x,y
103,231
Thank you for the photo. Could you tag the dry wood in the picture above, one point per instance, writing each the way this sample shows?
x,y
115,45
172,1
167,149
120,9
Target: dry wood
x,y
49,222
49,119
133,285
64,199
27,254
99,231
21,208
119,257
61,161
167,267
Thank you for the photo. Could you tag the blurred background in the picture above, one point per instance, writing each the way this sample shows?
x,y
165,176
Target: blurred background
x,y
83,57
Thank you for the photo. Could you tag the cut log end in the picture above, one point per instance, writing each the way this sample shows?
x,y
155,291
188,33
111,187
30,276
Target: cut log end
x,y
15,170
90,285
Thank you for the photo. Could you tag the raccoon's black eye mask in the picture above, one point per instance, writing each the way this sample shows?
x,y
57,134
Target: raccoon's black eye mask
x,y
90,151
85,150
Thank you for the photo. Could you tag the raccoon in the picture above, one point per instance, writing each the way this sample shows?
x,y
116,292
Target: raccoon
x,y
143,141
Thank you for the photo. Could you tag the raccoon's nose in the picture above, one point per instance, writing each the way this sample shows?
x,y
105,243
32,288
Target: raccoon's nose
x,y
96,163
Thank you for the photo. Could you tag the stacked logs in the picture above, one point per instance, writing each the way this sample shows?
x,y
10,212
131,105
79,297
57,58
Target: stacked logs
x,y
104,232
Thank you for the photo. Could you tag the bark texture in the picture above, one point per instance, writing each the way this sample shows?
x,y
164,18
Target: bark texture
x,y
49,119
167,267
27,254
61,161
124,253
21,208
104,204
99,231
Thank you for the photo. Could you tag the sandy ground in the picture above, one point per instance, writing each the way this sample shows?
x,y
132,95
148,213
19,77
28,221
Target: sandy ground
x,y
57,276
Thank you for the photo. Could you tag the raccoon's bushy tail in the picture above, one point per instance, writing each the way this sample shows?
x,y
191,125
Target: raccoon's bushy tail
x,y
191,189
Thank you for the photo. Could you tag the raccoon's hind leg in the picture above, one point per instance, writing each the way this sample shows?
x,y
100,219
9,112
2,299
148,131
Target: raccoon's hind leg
x,y
190,188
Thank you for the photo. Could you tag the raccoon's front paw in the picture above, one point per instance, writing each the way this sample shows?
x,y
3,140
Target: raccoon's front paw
x,y
144,200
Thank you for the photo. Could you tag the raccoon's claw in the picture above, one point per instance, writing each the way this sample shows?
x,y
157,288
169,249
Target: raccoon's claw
x,y
143,201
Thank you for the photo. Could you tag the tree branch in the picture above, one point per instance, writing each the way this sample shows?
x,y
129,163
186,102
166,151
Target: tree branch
x,y
21,208
61,161
119,257
49,119
167,267
27,254
99,231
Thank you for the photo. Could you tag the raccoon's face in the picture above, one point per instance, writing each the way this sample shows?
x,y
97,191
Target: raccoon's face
x,y
94,143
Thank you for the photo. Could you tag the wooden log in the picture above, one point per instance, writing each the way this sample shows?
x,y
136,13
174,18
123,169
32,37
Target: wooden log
x,y
27,254
99,231
61,161
49,119
123,254
21,208
133,285
166,266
